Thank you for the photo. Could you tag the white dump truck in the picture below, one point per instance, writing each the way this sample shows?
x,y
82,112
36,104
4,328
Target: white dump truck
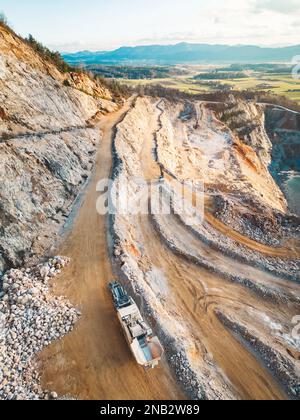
x,y
146,348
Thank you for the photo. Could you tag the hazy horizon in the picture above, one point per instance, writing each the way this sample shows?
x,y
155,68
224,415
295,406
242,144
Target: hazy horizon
x,y
73,26
178,43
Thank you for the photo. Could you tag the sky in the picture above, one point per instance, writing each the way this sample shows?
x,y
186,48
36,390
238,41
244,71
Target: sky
x,y
76,25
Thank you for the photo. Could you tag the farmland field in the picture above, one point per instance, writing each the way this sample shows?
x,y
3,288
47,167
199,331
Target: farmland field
x,y
198,79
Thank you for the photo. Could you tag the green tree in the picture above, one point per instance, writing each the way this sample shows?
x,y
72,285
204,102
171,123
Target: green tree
x,y
53,56
3,19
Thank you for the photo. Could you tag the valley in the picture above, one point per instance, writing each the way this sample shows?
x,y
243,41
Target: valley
x,y
275,82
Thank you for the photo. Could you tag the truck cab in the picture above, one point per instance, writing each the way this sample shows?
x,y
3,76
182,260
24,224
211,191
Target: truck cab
x,y
146,348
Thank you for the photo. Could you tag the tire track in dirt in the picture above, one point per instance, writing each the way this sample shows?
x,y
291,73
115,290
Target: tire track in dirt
x,y
195,294
217,345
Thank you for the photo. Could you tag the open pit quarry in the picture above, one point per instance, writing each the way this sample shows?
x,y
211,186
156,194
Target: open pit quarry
x,y
223,300
222,293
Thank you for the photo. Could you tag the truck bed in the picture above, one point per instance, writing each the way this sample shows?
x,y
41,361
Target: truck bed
x,y
146,348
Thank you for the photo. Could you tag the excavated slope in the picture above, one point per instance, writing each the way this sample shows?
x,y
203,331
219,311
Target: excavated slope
x,y
47,146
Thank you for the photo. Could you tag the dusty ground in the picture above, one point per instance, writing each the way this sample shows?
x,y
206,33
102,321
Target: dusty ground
x,y
94,361
89,363
196,293
290,251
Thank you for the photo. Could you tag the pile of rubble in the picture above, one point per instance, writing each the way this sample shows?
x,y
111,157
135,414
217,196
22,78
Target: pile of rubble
x,y
30,319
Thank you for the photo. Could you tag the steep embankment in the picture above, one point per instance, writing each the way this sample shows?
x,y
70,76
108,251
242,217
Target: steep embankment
x,y
262,212
283,127
47,146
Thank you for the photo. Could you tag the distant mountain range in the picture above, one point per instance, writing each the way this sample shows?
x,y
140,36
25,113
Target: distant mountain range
x,y
184,53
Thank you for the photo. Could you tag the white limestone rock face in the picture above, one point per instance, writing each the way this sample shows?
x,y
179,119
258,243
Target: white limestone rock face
x,y
47,147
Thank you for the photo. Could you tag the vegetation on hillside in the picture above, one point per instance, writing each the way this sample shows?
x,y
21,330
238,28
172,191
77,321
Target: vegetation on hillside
x,y
220,75
270,68
271,98
52,56
137,72
4,21
218,96
118,91
45,53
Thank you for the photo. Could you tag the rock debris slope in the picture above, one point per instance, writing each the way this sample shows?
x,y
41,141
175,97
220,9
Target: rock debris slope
x,y
30,319
192,278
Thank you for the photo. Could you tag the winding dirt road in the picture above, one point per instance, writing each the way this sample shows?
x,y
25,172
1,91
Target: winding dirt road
x,y
94,361
195,293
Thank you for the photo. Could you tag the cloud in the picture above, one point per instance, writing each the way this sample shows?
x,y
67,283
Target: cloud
x,y
75,46
259,22
280,6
